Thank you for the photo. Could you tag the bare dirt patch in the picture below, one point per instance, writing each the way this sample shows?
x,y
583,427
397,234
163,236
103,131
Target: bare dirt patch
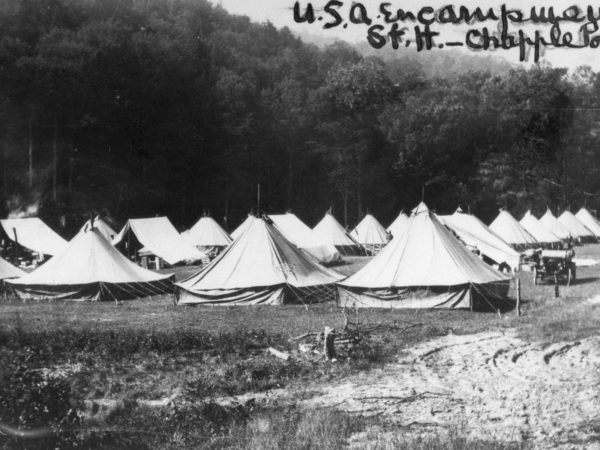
x,y
494,385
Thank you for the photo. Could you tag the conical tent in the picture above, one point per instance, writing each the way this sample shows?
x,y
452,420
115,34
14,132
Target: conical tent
x,y
207,234
370,234
303,237
476,235
557,228
159,237
242,227
426,268
90,268
260,267
398,226
590,222
7,270
541,234
34,235
331,232
511,232
577,229
100,225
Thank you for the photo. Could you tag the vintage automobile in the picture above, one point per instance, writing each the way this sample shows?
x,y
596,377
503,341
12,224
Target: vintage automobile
x,y
554,262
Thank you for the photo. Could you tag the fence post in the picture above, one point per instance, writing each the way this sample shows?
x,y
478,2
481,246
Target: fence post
x,y
518,297
556,293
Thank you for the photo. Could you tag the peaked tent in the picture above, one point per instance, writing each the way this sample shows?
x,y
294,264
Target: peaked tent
x,y
158,236
425,268
590,222
331,232
541,234
557,228
260,267
475,234
100,225
370,234
90,268
34,235
398,226
7,270
303,237
511,232
577,229
207,234
242,227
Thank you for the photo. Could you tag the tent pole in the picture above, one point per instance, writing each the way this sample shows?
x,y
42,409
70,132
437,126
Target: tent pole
x,y
258,198
16,252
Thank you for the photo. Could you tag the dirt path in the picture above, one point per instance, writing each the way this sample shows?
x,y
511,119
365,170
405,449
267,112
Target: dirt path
x,y
490,386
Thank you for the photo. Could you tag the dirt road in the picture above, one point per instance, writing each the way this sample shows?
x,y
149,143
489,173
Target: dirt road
x,y
490,386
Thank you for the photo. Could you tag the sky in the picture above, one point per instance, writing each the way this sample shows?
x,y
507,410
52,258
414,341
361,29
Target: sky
x,y
280,13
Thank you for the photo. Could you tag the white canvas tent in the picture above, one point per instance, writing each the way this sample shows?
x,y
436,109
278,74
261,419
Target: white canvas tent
x,y
207,234
427,267
159,237
511,232
590,222
260,267
398,226
34,235
331,232
303,237
242,227
477,236
577,229
541,234
100,225
7,270
90,268
557,228
370,234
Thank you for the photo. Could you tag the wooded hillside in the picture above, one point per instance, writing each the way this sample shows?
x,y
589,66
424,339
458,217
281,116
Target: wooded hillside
x,y
178,108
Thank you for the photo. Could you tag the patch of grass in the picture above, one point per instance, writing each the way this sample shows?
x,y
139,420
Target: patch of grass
x,y
148,349
452,441
258,374
245,426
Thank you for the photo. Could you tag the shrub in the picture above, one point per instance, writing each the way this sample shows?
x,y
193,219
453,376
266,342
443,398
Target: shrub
x,y
40,405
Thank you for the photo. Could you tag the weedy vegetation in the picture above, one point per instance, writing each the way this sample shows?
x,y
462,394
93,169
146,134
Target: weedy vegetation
x,y
147,374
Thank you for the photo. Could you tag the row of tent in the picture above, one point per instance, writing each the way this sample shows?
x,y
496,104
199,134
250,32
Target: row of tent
x,y
427,264
548,231
425,267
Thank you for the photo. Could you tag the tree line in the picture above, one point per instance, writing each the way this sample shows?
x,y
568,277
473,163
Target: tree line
x,y
138,108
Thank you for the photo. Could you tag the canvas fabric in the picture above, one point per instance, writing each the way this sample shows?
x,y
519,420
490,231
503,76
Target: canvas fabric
x,y
542,234
551,222
159,236
90,268
254,269
427,258
34,235
590,222
303,237
511,232
331,232
474,233
577,229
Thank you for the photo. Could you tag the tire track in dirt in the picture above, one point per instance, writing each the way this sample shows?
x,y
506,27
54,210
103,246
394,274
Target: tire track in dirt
x,y
492,385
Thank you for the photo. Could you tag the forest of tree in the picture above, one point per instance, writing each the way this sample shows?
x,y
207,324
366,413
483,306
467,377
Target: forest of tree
x,y
175,107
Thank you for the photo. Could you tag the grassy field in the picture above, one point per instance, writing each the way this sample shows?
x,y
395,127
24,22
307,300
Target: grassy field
x,y
120,358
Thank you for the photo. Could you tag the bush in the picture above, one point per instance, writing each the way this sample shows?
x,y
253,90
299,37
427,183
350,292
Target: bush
x,y
40,405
